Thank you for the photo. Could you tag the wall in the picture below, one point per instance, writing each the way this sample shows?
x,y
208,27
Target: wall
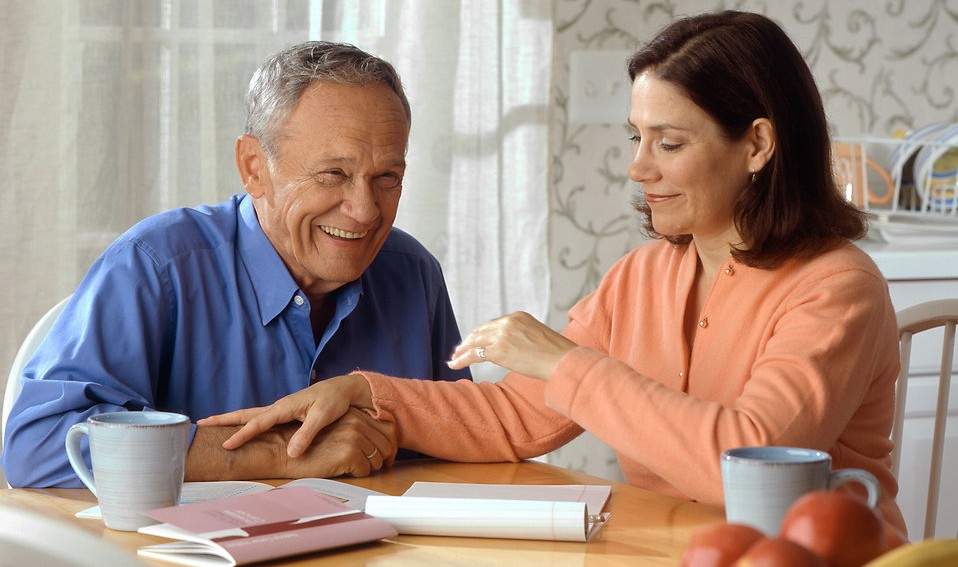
x,y
882,66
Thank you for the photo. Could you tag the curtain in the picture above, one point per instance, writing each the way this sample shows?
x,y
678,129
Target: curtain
x,y
114,110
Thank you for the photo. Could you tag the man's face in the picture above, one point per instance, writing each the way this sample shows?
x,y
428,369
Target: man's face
x,y
330,195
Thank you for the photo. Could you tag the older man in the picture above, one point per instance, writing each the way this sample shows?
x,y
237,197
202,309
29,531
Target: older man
x,y
211,309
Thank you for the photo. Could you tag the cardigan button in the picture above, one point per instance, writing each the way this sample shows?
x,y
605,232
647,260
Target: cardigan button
x,y
704,323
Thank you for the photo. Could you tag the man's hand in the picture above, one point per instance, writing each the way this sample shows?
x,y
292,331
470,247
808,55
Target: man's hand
x,y
316,407
356,444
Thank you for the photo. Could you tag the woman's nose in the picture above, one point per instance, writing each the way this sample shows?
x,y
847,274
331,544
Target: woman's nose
x,y
641,168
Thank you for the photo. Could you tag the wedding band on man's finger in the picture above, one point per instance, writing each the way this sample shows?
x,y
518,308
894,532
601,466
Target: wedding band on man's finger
x,y
373,454
481,352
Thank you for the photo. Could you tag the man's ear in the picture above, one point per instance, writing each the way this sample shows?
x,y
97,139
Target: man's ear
x,y
252,165
761,134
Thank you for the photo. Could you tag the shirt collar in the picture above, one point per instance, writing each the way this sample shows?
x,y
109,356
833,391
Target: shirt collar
x,y
273,287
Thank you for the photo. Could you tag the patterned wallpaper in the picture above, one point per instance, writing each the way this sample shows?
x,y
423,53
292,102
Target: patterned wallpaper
x,y
882,66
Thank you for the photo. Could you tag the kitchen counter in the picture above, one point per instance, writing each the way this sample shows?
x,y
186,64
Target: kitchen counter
x,y
915,259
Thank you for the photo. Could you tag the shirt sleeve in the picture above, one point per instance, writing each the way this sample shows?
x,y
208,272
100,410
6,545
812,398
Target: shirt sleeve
x,y
102,354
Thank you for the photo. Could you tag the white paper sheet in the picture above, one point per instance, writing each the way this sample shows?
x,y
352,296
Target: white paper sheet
x,y
557,513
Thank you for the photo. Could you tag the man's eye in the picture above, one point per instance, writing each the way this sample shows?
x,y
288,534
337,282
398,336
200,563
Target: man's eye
x,y
331,177
388,181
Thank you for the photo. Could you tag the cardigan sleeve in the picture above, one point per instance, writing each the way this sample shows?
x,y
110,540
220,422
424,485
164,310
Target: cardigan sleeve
x,y
471,422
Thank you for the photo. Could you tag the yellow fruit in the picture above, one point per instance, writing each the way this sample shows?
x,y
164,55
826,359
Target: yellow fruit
x,y
925,553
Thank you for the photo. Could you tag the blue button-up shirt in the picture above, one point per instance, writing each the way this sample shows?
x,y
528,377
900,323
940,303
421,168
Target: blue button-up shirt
x,y
193,311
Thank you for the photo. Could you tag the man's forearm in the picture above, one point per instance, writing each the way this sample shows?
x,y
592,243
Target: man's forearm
x,y
356,444
262,457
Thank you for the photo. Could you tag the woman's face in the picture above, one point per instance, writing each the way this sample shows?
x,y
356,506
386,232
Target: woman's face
x,y
690,173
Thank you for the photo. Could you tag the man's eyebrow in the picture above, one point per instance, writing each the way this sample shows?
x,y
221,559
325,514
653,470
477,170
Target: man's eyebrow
x,y
336,160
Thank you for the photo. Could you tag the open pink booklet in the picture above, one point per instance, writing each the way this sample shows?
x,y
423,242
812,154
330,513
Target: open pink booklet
x,y
257,527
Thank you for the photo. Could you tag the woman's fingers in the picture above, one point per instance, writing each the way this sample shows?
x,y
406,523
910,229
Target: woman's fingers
x,y
238,417
475,347
253,427
317,417
316,407
517,342
290,408
463,357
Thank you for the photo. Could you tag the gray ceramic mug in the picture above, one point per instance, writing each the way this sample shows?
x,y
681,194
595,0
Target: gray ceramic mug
x,y
138,463
761,483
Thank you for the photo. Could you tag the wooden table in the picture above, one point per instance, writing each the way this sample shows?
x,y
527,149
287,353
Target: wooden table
x,y
646,528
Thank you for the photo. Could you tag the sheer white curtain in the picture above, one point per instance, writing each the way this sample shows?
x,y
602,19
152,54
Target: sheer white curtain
x,y
114,110
477,73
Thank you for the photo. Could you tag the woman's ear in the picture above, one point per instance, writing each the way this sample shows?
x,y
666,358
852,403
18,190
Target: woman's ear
x,y
252,165
761,136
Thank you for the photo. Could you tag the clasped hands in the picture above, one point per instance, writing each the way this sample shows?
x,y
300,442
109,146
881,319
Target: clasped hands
x,y
517,342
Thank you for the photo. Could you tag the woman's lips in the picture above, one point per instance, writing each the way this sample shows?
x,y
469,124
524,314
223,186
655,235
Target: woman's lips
x,y
657,198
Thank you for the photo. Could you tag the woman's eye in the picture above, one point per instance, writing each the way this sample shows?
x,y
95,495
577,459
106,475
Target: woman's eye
x,y
666,147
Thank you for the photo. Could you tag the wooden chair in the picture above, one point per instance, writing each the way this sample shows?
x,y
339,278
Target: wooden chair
x,y
943,314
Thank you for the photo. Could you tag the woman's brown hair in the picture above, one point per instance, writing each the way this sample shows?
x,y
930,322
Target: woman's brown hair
x,y
737,67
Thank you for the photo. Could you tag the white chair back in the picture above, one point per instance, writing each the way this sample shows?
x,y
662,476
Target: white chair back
x,y
29,344
943,314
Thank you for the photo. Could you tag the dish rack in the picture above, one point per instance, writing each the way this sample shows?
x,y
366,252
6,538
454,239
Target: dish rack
x,y
907,185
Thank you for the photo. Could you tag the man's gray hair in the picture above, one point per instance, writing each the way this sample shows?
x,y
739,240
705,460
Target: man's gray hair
x,y
278,84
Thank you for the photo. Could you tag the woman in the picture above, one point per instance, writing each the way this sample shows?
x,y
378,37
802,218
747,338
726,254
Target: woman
x,y
751,319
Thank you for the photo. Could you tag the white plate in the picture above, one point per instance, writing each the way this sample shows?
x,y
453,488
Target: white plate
x,y
935,172
923,227
910,146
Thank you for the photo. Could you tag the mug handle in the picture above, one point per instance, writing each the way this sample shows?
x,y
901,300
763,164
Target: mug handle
x,y
863,477
72,444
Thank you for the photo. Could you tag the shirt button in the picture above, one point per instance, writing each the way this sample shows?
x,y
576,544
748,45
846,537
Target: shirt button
x,y
298,299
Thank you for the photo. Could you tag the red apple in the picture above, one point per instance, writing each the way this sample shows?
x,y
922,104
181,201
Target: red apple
x,y
838,526
779,552
719,545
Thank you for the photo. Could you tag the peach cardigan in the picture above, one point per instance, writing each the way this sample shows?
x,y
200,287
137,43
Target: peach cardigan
x,y
803,355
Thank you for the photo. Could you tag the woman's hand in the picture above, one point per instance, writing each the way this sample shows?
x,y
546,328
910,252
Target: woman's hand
x,y
517,342
316,407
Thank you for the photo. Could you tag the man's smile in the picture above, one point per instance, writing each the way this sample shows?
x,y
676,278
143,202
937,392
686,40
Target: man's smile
x,y
339,233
